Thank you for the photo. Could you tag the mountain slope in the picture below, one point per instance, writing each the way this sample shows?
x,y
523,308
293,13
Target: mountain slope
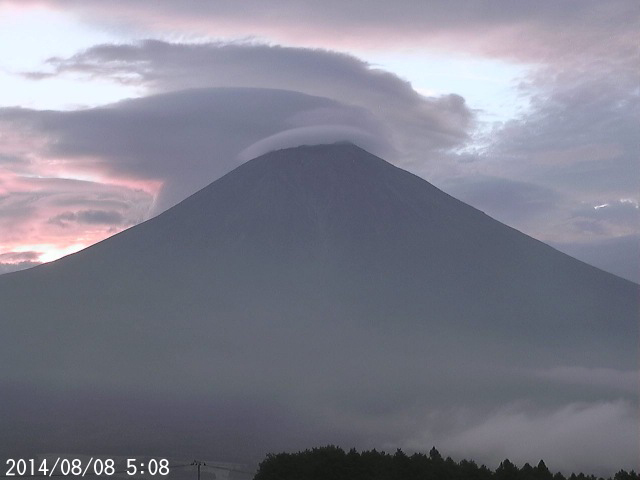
x,y
307,280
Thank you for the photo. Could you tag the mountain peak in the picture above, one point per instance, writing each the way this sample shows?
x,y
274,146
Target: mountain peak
x,y
307,155
308,279
341,168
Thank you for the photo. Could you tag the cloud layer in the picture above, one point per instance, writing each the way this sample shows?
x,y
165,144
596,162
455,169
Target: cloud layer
x,y
564,438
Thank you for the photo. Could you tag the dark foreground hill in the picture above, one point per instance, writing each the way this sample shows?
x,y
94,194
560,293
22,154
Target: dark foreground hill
x,y
315,294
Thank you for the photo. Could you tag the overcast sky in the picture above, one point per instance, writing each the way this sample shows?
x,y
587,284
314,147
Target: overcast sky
x,y
528,112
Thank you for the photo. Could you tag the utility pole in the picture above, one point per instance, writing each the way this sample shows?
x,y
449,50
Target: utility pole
x,y
198,463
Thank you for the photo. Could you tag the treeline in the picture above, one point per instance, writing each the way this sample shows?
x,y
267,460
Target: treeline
x,y
333,463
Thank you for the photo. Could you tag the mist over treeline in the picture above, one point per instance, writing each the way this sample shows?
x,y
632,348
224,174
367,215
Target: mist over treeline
x,y
333,463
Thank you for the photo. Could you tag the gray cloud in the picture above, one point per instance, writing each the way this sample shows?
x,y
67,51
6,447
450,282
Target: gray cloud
x,y
513,202
189,138
542,32
578,139
18,256
610,220
606,378
314,135
580,133
10,160
16,267
415,121
618,255
601,233
622,213
91,217
15,261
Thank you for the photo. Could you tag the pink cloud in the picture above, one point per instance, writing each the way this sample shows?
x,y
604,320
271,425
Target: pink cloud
x,y
36,188
59,216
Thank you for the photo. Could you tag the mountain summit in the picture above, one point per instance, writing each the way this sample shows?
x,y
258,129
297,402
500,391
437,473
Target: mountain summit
x,y
312,294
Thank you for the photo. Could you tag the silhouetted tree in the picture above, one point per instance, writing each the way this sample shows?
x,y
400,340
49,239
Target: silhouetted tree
x,y
332,463
541,472
506,471
434,455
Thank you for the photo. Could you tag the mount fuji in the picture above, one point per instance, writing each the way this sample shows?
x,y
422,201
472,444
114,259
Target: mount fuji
x,y
313,295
